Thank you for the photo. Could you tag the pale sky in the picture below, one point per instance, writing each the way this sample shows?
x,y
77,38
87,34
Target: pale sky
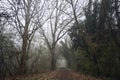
x,y
81,2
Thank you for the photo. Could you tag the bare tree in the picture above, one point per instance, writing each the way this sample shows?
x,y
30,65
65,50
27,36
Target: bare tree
x,y
57,24
76,7
25,21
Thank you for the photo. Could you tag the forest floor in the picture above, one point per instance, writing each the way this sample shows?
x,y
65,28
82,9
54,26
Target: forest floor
x,y
60,74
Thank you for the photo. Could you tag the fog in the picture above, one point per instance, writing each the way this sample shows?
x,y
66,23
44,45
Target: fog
x,y
61,62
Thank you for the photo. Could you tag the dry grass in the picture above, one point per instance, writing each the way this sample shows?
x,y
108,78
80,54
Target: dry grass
x,y
59,75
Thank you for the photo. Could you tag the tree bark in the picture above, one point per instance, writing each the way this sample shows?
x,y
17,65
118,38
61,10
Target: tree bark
x,y
53,59
22,69
23,56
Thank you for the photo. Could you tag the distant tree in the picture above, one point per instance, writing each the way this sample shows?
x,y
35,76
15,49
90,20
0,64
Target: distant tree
x,y
67,53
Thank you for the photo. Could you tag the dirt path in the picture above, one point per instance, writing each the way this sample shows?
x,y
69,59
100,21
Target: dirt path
x,y
60,74
65,74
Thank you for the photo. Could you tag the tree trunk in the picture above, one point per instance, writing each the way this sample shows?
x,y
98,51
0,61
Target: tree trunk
x,y
53,59
22,69
23,58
